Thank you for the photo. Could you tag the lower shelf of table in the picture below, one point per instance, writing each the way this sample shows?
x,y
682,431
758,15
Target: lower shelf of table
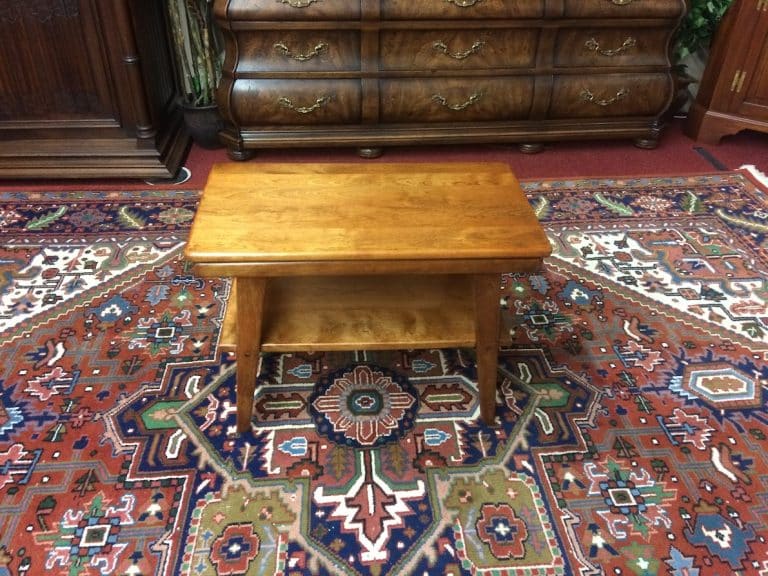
x,y
361,312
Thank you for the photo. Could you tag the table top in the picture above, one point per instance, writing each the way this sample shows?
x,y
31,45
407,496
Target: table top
x,y
367,211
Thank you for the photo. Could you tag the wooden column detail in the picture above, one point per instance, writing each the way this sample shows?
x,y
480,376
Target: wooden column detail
x,y
132,61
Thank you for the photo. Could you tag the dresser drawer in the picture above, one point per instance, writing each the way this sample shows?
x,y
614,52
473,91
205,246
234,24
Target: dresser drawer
x,y
612,47
624,8
457,49
296,102
475,99
379,72
299,51
249,10
610,95
461,9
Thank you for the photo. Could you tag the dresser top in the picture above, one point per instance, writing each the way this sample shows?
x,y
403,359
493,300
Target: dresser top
x,y
372,10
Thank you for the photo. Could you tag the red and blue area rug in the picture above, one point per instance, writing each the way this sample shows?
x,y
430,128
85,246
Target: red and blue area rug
x,y
632,405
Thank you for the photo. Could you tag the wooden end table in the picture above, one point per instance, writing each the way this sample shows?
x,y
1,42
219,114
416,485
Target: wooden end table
x,y
363,256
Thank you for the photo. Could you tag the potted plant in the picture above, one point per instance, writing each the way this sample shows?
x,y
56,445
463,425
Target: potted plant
x,y
199,54
699,26
691,46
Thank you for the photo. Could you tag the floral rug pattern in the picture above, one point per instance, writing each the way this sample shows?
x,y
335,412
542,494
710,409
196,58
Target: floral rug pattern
x,y
631,404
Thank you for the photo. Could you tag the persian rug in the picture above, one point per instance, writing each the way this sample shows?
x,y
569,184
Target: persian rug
x,y
632,424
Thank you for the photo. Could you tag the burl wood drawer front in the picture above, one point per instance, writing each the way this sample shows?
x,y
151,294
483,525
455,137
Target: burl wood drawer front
x,y
457,49
612,47
461,9
623,8
610,95
473,99
298,51
249,10
296,102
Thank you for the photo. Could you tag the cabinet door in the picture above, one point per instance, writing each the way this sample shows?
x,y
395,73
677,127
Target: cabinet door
x,y
750,80
86,90
54,73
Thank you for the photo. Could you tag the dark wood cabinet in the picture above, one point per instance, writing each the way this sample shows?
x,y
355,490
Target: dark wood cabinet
x,y
733,94
371,73
87,90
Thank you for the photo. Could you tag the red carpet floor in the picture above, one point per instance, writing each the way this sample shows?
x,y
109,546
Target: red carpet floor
x,y
676,154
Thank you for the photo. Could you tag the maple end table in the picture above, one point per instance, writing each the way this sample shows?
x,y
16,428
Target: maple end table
x,y
367,255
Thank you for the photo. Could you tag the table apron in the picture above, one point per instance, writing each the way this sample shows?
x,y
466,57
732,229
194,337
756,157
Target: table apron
x,y
365,267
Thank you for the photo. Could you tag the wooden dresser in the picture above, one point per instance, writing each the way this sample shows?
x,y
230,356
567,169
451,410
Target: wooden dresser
x,y
371,73
733,94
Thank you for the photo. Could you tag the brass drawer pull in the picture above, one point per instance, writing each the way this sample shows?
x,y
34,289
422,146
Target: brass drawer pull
x,y
594,45
288,53
298,3
319,103
457,107
587,96
463,3
621,2
442,47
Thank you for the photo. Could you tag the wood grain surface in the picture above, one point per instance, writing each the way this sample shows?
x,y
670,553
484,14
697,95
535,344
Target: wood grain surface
x,y
361,313
378,211
363,256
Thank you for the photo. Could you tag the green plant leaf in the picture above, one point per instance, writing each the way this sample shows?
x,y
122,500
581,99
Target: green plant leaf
x,y
699,26
198,49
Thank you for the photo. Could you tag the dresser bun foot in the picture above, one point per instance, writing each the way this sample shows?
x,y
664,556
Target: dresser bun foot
x,y
646,143
240,154
531,147
370,152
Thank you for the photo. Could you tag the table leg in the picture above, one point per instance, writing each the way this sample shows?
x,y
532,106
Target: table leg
x,y
487,317
250,307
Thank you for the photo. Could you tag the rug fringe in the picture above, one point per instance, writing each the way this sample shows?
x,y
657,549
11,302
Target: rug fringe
x,y
756,174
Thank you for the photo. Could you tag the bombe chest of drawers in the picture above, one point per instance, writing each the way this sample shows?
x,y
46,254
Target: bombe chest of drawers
x,y
375,73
